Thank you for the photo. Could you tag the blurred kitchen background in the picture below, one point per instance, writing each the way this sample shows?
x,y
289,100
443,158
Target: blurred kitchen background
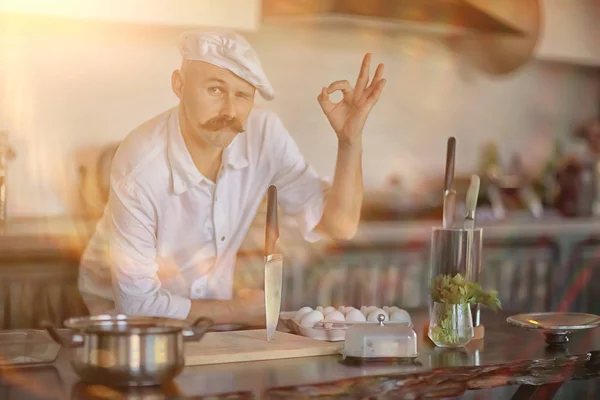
x,y
516,82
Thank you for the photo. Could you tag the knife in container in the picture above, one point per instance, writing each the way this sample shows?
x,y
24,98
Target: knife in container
x,y
471,201
471,205
449,193
273,265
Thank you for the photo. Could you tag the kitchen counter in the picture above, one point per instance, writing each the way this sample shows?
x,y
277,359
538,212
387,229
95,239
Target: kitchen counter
x,y
506,358
532,263
527,227
45,238
73,233
385,262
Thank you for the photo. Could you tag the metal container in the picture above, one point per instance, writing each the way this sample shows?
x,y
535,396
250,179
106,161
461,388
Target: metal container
x,y
128,351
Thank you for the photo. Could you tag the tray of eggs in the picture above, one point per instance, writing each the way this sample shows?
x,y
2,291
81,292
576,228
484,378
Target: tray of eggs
x,y
330,323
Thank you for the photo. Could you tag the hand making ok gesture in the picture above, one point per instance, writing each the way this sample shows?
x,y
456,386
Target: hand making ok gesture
x,y
348,116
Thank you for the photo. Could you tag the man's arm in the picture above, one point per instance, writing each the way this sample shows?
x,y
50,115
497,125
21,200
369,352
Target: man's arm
x,y
344,200
248,308
136,285
347,118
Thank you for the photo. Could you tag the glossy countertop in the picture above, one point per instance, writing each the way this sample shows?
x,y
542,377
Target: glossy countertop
x,y
506,356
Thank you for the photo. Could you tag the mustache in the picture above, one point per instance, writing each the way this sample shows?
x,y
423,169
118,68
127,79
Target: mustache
x,y
219,123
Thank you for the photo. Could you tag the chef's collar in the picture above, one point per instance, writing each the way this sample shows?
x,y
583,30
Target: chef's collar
x,y
184,174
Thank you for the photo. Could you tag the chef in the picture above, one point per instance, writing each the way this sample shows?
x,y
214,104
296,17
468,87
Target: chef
x,y
185,187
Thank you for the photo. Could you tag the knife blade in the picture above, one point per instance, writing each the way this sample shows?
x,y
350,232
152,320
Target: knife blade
x,y
449,205
471,206
273,265
471,201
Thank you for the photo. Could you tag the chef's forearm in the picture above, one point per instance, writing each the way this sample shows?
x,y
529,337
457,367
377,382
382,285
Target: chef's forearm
x,y
342,208
220,311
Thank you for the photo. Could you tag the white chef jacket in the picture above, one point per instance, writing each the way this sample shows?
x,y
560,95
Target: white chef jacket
x,y
168,234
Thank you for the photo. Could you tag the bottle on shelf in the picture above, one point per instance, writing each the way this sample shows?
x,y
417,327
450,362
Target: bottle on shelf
x,y
7,153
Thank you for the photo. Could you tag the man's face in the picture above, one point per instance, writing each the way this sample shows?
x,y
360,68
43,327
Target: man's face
x,y
215,102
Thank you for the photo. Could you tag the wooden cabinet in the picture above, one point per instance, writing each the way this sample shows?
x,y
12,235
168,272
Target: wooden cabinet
x,y
570,31
36,291
39,268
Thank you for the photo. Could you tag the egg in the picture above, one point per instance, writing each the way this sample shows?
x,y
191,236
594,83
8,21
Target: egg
x,y
367,310
355,315
319,309
327,310
375,313
400,316
391,309
334,316
310,319
342,309
300,313
348,309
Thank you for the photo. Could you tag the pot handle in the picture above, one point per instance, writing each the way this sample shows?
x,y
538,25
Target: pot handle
x,y
198,329
70,340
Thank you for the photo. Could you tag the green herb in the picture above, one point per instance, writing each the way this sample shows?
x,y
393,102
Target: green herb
x,y
451,290
457,290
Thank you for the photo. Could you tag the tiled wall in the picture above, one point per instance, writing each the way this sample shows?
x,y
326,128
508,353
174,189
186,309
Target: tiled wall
x,y
66,87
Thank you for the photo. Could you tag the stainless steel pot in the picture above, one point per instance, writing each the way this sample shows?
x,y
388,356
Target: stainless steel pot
x,y
117,350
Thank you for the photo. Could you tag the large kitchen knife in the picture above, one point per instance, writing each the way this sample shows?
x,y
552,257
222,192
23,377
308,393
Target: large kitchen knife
x,y
273,265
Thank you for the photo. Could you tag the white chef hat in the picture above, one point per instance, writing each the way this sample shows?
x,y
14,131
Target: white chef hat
x,y
229,50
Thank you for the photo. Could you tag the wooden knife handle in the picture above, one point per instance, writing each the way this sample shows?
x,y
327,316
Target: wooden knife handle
x,y
450,157
272,228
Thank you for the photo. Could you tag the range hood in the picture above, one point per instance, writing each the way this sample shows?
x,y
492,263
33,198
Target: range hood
x,y
482,16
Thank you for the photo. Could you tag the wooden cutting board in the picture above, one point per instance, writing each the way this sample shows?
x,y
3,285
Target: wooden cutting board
x,y
252,345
